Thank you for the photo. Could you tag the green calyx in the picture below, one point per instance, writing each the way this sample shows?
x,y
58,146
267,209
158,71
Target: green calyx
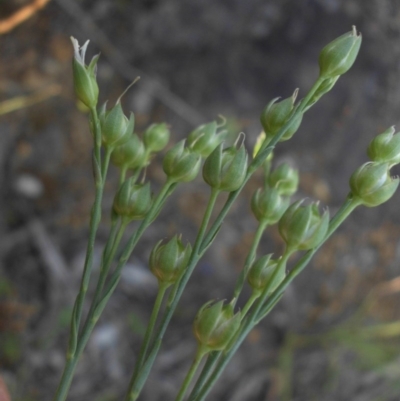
x,y
215,325
276,114
180,164
385,147
116,128
261,271
302,227
268,205
156,137
130,155
372,185
132,201
167,262
337,57
85,84
205,138
225,169
284,179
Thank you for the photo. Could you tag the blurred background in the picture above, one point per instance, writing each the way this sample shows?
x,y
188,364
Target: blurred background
x,y
336,333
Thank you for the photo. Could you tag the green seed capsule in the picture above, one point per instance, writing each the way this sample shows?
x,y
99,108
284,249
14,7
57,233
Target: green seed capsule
x,y
225,170
215,325
302,227
167,262
205,138
116,129
385,147
261,271
130,155
132,201
372,184
285,179
180,164
156,137
85,84
337,57
276,114
268,205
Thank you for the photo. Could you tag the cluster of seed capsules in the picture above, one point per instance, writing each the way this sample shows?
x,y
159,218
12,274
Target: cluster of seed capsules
x,y
301,225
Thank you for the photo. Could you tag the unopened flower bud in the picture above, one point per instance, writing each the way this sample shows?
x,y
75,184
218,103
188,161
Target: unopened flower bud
x,y
261,271
156,137
372,184
276,114
385,147
181,164
129,155
85,83
116,129
132,201
225,170
302,227
268,205
168,261
285,179
337,57
205,138
215,325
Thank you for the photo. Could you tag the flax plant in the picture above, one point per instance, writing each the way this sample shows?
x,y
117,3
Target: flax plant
x,y
219,327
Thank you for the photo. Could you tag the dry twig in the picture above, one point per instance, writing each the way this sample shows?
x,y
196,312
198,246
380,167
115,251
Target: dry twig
x,y
21,15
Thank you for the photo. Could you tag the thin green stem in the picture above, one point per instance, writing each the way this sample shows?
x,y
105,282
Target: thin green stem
x,y
136,174
212,358
122,174
149,331
66,378
107,259
253,297
189,377
249,259
136,384
100,172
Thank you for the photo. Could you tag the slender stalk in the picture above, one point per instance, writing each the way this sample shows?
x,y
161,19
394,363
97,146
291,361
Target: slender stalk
x,y
100,172
254,296
189,377
66,378
95,217
249,260
135,385
153,318
122,175
150,327
107,259
212,358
